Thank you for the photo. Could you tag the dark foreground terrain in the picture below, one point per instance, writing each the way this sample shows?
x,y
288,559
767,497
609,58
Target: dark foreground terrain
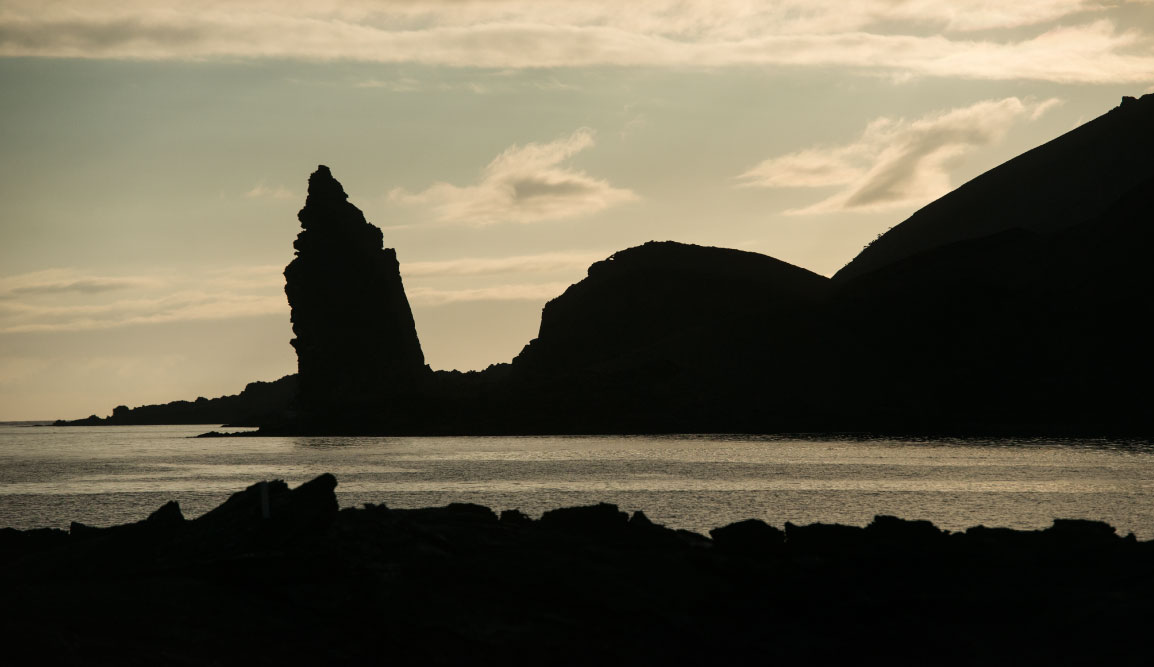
x,y
280,576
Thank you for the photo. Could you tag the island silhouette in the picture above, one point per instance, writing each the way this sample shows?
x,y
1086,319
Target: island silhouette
x,y
1018,303
1014,304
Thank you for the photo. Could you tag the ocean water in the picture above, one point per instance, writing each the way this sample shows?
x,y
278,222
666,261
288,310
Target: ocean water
x,y
108,475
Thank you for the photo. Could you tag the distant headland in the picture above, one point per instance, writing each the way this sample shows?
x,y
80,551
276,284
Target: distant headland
x,y
1015,304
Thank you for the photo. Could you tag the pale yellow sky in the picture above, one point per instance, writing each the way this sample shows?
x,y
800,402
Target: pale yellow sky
x,y
153,155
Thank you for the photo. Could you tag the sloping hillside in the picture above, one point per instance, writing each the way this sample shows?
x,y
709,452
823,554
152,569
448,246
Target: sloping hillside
x,y
1059,184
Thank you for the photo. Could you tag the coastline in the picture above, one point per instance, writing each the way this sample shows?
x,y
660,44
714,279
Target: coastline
x,y
279,575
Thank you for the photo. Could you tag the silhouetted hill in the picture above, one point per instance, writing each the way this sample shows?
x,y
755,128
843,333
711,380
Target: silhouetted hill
x,y
1019,329
284,576
1061,183
1015,304
666,298
259,403
665,337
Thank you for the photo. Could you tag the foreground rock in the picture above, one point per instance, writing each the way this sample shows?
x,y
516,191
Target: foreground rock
x,y
281,576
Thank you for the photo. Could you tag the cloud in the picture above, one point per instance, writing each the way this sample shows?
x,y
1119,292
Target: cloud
x,y
463,271
523,184
895,162
1053,40
65,282
262,191
401,85
543,263
411,85
429,296
67,300
83,286
60,300
178,307
636,122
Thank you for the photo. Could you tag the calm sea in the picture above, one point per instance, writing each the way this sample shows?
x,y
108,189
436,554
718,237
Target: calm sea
x,y
108,475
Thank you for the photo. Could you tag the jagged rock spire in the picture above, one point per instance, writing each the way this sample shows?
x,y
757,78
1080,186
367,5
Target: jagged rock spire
x,y
356,341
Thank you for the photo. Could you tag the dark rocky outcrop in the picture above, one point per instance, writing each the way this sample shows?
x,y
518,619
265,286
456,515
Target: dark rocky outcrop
x,y
282,576
358,356
259,403
752,537
603,518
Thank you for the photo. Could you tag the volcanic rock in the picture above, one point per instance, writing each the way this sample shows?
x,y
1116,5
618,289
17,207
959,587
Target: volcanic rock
x,y
751,536
356,342
453,585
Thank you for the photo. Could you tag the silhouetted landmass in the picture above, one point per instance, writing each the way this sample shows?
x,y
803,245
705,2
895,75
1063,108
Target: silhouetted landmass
x,y
259,403
660,300
665,337
280,576
1015,304
356,343
1062,183
1020,329
1012,305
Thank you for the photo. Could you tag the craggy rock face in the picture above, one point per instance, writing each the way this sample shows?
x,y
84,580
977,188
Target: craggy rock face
x,y
355,339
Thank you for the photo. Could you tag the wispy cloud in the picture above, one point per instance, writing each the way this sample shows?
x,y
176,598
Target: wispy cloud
x,y
411,85
895,162
402,85
178,307
58,300
65,282
476,266
68,300
82,286
1054,40
523,184
429,296
262,191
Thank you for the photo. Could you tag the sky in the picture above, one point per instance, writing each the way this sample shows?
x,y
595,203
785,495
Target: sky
x,y
154,153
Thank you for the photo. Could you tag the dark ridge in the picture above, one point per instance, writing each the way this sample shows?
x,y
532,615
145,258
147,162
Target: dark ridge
x,y
283,576
1019,329
1066,181
259,403
664,294
664,337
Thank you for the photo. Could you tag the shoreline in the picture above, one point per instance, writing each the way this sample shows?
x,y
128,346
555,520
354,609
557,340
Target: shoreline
x,y
897,434
284,575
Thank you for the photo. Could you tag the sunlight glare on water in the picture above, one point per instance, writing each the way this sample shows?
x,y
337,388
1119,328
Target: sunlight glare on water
x,y
50,476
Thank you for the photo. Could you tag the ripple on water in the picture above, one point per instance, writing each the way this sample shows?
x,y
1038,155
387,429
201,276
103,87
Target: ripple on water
x,y
102,476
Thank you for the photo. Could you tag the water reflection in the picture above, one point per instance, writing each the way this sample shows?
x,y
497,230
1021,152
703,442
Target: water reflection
x,y
49,476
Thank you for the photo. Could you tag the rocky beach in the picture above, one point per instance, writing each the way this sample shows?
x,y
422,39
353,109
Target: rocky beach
x,y
285,576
